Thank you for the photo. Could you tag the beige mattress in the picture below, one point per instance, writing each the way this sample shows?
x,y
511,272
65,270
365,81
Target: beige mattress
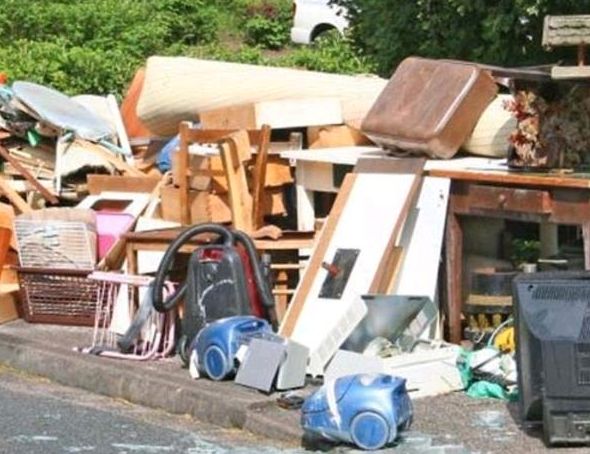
x,y
491,134
179,88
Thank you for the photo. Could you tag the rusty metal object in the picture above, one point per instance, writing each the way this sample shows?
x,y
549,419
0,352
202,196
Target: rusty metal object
x,y
430,106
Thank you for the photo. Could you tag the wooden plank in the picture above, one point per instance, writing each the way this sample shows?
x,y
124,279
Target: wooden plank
x,y
501,177
394,265
388,266
385,277
120,183
278,172
390,165
570,30
199,170
235,151
183,166
237,117
119,164
472,198
259,178
335,136
174,209
51,198
454,274
338,155
569,206
13,197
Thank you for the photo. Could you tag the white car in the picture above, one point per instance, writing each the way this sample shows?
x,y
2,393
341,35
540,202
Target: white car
x,y
313,17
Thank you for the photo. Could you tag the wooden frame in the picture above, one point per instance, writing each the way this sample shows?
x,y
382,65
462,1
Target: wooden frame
x,y
190,135
531,198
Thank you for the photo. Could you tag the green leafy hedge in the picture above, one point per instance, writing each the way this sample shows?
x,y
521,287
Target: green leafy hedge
x,y
268,24
503,32
327,54
96,45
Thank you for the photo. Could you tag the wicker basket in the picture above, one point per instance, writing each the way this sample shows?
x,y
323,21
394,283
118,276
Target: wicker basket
x,y
65,297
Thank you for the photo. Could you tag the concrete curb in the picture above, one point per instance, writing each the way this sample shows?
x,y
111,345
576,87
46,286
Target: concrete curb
x,y
217,403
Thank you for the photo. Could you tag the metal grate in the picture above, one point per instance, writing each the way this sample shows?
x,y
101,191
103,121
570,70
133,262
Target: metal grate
x,y
59,296
561,293
54,244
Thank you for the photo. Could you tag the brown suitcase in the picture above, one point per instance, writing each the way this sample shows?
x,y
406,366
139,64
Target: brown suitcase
x,y
429,106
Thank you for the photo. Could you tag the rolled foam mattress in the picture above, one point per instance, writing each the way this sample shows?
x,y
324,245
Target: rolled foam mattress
x,y
179,88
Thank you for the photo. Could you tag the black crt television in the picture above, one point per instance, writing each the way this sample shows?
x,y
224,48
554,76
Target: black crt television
x,y
552,320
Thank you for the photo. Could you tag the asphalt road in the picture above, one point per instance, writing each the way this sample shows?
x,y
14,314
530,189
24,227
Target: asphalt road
x,y
37,416
41,417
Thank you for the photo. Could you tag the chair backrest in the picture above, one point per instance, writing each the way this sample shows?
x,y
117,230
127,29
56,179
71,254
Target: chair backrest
x,y
235,152
260,138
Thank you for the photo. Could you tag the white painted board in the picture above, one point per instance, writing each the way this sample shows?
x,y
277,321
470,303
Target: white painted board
x,y
366,223
149,261
293,113
336,155
137,201
421,240
427,373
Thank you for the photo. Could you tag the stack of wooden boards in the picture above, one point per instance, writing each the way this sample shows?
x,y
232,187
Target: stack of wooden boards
x,y
229,96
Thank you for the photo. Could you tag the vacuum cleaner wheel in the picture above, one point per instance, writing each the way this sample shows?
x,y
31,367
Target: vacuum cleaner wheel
x,y
215,362
369,430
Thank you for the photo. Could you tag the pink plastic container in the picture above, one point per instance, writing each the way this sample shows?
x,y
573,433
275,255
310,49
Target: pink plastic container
x,y
110,226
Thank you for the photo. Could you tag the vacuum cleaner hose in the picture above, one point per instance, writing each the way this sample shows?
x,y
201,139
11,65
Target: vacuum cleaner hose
x,y
161,275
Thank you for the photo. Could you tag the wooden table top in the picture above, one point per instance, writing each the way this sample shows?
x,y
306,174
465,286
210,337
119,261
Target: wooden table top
x,y
550,179
163,237
472,168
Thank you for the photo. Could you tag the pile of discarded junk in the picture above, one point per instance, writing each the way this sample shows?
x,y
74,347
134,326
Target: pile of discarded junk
x,y
268,224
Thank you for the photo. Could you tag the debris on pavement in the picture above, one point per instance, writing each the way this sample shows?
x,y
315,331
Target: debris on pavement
x,y
286,230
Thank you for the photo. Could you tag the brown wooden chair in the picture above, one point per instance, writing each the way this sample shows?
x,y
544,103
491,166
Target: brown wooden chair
x,y
190,135
235,153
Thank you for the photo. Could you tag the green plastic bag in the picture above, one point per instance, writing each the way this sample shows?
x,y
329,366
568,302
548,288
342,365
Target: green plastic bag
x,y
488,390
481,389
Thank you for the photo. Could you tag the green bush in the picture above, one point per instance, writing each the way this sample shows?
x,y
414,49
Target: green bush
x,y
72,70
329,53
268,33
96,45
503,32
243,54
269,24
